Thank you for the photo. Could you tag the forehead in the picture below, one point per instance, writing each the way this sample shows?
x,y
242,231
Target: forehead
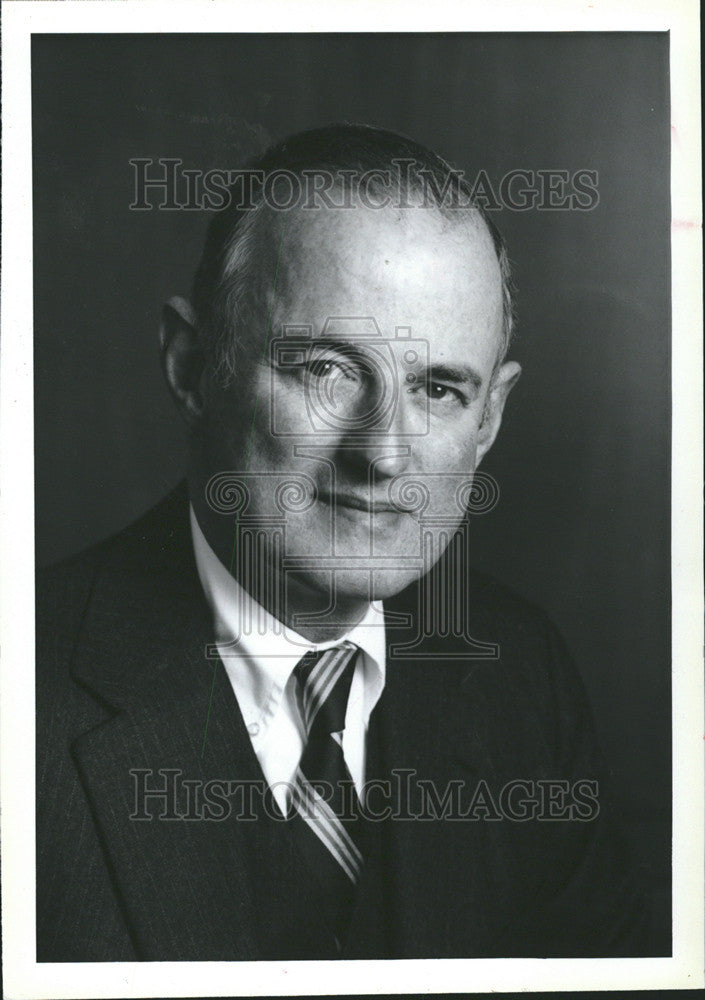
x,y
404,267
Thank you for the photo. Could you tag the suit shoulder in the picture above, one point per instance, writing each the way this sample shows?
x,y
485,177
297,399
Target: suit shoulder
x,y
153,533
484,588
494,605
63,590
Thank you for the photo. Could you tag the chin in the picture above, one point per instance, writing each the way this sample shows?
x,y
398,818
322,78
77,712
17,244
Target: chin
x,y
368,584
388,583
376,584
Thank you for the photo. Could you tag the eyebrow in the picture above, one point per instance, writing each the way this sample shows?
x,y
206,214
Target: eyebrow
x,y
456,374
344,347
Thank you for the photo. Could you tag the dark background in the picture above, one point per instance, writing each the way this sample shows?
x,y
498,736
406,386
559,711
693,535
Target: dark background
x,y
583,459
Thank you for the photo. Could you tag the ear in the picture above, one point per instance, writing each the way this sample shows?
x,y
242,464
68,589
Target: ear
x,y
502,383
182,358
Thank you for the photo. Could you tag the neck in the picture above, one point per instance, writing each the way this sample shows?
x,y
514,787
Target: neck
x,y
319,615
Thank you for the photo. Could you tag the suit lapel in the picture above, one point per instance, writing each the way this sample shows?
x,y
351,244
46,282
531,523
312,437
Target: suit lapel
x,y
428,729
224,888
182,883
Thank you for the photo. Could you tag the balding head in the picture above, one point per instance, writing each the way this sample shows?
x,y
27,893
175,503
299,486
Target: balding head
x,y
345,170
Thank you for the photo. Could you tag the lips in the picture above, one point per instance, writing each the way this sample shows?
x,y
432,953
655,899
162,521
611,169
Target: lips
x,y
355,502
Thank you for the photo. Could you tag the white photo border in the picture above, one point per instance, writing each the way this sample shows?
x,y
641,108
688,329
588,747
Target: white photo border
x,y
24,978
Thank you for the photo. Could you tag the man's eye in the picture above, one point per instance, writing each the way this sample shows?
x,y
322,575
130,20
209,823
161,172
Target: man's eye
x,y
327,367
443,393
321,367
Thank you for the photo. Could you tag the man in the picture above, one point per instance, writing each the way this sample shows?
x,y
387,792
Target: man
x,y
279,718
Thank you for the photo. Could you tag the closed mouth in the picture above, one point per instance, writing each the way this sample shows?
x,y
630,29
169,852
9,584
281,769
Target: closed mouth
x,y
354,502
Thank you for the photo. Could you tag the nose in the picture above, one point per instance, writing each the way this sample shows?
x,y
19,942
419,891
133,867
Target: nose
x,y
389,459
383,448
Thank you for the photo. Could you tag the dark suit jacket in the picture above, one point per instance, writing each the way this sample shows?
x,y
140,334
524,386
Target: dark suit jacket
x,y
123,683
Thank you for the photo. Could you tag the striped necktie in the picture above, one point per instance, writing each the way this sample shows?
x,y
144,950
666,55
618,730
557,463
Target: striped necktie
x,y
325,822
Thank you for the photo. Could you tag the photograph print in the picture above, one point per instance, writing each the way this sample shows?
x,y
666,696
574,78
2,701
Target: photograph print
x,y
352,496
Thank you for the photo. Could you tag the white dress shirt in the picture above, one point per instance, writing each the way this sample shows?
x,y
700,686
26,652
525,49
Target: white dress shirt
x,y
260,660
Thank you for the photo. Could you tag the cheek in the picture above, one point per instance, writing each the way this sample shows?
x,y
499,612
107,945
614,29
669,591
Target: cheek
x,y
229,424
289,406
451,448
445,465
240,431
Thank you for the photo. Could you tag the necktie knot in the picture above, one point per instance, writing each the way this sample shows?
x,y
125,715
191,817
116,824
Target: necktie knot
x,y
323,680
